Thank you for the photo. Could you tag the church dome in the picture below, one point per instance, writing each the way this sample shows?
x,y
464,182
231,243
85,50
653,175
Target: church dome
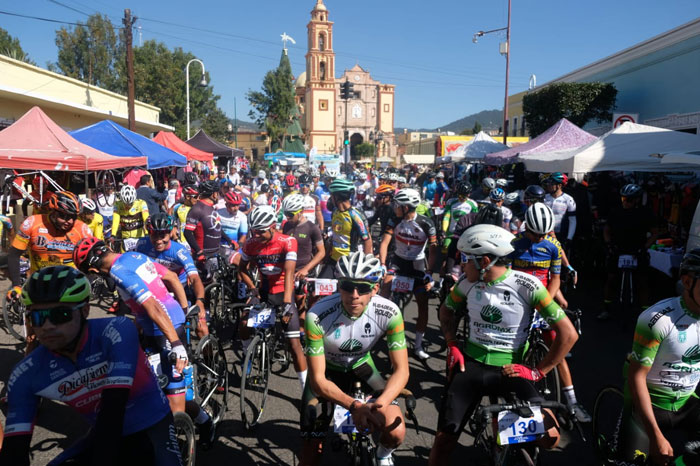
x,y
301,80
320,6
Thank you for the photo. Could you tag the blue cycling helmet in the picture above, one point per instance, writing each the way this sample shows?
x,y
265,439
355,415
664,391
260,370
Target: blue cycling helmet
x,y
497,194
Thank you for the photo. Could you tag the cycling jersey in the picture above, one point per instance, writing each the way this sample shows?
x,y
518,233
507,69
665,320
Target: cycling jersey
x,y
346,341
323,196
138,279
412,236
507,216
97,226
349,230
234,226
310,203
131,221
180,213
563,207
500,314
109,357
538,259
667,338
454,211
308,236
430,189
176,258
205,222
47,246
270,258
105,205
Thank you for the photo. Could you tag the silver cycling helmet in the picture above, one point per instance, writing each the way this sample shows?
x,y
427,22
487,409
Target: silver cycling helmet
x,y
539,218
127,194
359,266
293,203
482,240
488,183
408,197
261,217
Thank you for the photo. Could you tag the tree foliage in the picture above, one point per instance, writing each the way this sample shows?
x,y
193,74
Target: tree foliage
x,y
577,102
365,150
273,106
10,47
477,128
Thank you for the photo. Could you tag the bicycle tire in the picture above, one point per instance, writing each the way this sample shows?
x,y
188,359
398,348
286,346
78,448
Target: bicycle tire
x,y
255,381
550,385
13,316
186,440
279,351
608,407
367,456
212,377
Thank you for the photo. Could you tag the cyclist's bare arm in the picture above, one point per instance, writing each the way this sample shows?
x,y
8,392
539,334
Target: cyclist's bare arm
x,y
384,246
243,275
172,283
161,318
323,387
566,337
448,323
367,245
289,268
554,283
398,379
318,257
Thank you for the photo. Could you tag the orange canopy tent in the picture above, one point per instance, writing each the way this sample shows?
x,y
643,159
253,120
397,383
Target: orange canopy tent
x,y
172,142
35,142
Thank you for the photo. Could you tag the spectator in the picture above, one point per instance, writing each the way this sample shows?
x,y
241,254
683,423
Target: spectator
x,y
149,195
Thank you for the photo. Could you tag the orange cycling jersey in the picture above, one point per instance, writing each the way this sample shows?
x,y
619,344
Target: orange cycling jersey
x,y
48,246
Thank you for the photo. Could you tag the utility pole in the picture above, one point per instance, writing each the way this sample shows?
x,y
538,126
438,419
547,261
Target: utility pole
x,y
128,25
505,105
235,124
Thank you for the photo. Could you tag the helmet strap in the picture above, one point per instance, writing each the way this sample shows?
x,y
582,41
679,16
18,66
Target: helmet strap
x,y
70,347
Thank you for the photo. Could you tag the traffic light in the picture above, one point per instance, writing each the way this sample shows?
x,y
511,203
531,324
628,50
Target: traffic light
x,y
349,90
346,138
344,91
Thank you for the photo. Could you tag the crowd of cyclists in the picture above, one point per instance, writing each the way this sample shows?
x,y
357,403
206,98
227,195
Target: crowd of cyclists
x,y
495,257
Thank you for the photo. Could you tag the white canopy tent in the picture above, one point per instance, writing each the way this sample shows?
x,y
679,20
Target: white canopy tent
x,y
629,147
477,148
688,158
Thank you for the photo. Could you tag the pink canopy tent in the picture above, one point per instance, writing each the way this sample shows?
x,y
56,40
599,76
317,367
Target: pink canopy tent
x,y
169,140
35,142
562,135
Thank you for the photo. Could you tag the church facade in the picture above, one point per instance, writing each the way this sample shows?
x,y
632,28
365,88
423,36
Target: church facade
x,y
369,113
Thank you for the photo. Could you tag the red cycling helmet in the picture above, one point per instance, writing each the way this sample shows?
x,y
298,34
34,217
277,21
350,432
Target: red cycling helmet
x,y
191,190
233,198
290,180
88,252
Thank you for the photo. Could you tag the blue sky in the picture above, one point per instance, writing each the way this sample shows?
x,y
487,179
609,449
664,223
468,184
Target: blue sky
x,y
424,48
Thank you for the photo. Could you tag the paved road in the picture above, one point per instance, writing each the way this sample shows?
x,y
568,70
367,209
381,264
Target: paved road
x,y
596,362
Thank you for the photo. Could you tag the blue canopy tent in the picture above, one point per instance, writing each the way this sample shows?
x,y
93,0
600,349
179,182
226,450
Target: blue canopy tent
x,y
114,139
277,156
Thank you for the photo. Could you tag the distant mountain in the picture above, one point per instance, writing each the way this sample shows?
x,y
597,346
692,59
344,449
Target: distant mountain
x,y
489,119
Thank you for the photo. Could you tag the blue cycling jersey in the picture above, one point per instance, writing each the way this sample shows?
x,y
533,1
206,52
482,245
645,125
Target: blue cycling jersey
x,y
235,226
323,196
538,259
138,279
430,189
109,357
176,258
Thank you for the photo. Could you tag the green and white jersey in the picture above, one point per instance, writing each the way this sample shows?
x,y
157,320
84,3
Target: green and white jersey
x,y
455,211
346,341
667,338
500,314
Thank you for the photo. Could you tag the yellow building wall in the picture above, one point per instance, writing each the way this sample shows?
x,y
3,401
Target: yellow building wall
x,y
386,112
321,120
324,143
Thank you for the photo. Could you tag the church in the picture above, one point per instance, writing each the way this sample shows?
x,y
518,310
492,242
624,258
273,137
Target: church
x,y
370,111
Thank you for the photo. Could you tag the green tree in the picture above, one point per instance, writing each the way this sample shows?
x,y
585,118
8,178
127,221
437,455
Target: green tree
x,y
273,106
365,150
91,52
477,128
466,132
10,47
577,102
215,123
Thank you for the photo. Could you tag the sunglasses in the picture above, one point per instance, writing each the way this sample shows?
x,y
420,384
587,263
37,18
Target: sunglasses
x,y
259,232
56,315
303,185
362,288
159,233
468,257
65,216
291,214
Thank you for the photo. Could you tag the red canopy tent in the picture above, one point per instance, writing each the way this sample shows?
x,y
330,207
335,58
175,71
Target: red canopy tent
x,y
169,140
35,142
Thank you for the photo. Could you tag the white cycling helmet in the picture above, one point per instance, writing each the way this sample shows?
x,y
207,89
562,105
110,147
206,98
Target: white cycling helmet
x,y
539,218
402,179
127,194
511,198
261,174
488,183
359,266
480,240
440,175
261,217
502,183
393,177
408,197
293,203
87,205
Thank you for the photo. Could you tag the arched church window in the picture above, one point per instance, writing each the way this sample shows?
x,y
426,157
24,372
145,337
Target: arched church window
x,y
321,42
323,70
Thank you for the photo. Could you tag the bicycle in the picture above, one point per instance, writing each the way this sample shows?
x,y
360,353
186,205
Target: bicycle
x,y
14,311
607,421
402,291
220,297
267,346
550,385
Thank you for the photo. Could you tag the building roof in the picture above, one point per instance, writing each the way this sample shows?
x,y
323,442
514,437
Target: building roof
x,y
301,80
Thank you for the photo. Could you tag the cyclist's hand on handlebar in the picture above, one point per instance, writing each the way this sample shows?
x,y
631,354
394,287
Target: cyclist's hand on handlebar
x,y
301,274
14,293
365,419
519,370
181,353
454,356
234,244
660,450
288,309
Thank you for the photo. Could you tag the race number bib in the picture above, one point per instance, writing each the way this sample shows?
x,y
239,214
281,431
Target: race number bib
x,y
515,429
261,318
130,243
325,286
342,421
627,261
402,284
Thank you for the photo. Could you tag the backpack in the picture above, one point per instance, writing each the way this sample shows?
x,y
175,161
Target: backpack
x,y
489,214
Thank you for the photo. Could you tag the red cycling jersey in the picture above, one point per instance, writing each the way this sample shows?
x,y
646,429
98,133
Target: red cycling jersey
x,y
270,258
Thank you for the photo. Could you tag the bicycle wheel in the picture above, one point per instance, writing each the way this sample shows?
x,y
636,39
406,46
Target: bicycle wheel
x,y
279,351
255,381
367,456
13,315
550,385
607,419
211,376
186,440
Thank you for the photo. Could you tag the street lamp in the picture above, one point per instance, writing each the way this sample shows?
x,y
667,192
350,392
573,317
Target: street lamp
x,y
202,83
376,137
505,52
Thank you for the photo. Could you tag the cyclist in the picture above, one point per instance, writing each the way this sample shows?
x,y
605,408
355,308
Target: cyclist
x,y
129,221
261,195
312,203
429,188
50,238
190,194
499,304
536,253
176,258
105,200
662,372
89,216
324,195
455,210
350,228
96,367
497,196
355,318
487,185
412,232
382,213
275,255
441,191
234,224
563,206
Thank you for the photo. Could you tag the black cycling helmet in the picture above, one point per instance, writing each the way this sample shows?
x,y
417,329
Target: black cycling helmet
x,y
304,179
534,193
207,188
690,262
159,222
56,284
65,202
264,188
191,178
489,215
631,190
464,189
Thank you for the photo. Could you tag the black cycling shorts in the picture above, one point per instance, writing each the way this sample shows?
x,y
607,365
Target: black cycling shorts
x,y
328,269
292,329
411,269
465,390
160,344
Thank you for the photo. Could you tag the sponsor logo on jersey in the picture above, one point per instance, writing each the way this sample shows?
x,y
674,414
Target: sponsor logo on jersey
x,y
336,334
506,295
350,346
82,379
659,315
491,314
692,355
682,337
368,328
525,282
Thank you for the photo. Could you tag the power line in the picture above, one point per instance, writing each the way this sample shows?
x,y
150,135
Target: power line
x,y
48,20
69,7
